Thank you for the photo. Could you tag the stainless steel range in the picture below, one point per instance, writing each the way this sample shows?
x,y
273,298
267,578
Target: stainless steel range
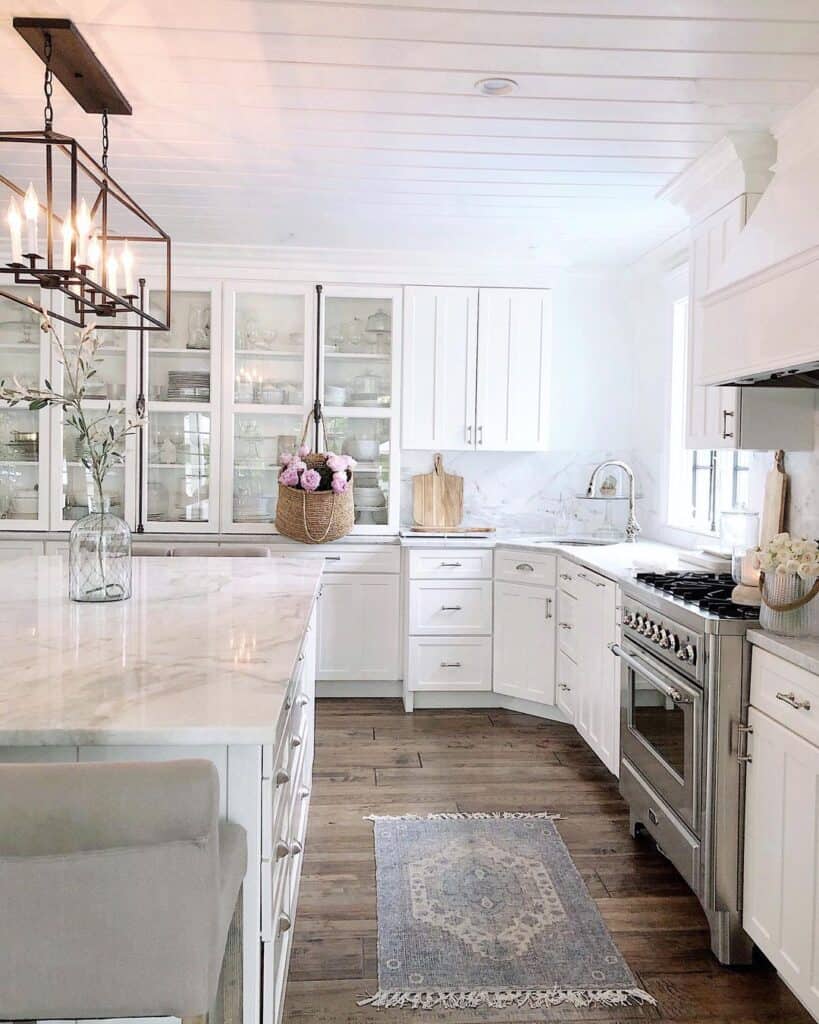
x,y
684,698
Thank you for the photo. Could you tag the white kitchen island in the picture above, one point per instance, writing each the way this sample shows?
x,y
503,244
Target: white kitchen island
x,y
211,657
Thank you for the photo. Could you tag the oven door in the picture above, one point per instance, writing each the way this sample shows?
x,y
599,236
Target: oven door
x,y
660,722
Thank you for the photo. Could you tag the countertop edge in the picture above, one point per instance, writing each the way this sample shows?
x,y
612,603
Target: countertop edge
x,y
800,651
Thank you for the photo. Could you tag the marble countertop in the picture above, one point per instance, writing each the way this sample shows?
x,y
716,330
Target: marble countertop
x,y
797,650
202,653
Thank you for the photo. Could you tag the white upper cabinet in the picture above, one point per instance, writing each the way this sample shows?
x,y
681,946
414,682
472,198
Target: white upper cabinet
x,y
514,356
476,369
711,413
440,367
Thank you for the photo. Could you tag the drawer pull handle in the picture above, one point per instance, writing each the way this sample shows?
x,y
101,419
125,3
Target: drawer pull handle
x,y
333,558
282,777
566,625
548,612
563,686
588,579
282,849
793,701
450,608
451,565
565,576
296,848
525,567
305,793
652,817
296,741
450,664
285,923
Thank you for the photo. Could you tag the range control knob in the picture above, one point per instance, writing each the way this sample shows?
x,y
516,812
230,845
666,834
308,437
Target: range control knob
x,y
656,632
688,653
628,618
665,641
639,621
673,642
648,627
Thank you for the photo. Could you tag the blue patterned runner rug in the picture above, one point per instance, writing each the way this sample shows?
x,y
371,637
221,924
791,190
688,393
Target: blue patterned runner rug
x,y
489,910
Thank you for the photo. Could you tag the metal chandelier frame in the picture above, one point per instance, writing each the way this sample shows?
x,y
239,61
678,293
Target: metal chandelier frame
x,y
88,290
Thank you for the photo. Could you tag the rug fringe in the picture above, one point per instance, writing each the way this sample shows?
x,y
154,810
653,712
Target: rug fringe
x,y
461,816
386,999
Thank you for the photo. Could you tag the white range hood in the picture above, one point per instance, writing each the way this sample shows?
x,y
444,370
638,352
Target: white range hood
x,y
760,321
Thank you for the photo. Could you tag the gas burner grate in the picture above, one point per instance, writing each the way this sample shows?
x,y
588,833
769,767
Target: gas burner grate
x,y
710,592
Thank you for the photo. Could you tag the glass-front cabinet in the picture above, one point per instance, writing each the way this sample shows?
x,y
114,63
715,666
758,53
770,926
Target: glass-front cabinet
x,y
24,448
228,389
359,382
268,370
181,441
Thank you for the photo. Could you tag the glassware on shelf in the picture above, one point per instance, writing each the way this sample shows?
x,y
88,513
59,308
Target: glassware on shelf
x,y
199,327
178,478
379,322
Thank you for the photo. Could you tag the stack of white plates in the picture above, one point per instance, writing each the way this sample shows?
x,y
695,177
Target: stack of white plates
x,y
188,386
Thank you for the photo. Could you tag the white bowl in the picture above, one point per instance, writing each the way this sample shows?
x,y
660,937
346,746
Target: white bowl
x,y
334,395
369,497
364,451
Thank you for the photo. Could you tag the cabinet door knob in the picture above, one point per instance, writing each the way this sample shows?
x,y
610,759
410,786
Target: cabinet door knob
x,y
282,849
303,701
282,777
296,741
296,848
304,793
793,701
285,923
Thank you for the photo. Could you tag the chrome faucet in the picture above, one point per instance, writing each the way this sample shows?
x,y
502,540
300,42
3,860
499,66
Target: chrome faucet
x,y
632,526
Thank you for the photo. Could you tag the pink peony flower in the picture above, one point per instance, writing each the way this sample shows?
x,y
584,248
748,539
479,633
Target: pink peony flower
x,y
289,477
310,479
304,449
339,483
351,463
286,458
337,463
298,464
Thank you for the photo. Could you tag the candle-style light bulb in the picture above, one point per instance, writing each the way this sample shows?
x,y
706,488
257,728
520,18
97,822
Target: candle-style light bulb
x,y
68,236
113,268
31,208
15,223
127,260
83,230
94,253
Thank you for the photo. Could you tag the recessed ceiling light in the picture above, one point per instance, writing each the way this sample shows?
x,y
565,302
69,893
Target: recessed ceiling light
x,y
496,86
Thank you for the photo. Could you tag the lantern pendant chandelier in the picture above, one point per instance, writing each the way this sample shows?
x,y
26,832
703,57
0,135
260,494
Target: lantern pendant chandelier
x,y
79,235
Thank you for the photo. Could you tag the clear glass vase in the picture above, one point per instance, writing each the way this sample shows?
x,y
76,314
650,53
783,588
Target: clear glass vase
x,y
780,590
99,556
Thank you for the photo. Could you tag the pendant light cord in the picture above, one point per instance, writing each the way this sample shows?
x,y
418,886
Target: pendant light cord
x,y
105,140
48,83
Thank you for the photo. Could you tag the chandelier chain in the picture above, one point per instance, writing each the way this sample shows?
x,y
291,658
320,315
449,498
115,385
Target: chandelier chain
x,y
105,140
48,84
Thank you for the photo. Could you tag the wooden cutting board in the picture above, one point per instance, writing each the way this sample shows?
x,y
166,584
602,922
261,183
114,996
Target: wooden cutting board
x,y
438,497
773,504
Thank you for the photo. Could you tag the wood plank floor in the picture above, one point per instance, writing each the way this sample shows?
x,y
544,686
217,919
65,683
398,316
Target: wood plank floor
x,y
373,758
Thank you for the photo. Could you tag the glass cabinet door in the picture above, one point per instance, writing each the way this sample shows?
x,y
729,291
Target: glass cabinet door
x,y
359,382
182,390
24,355
268,368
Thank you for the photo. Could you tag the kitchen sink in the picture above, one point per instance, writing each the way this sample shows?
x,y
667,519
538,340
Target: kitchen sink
x,y
580,542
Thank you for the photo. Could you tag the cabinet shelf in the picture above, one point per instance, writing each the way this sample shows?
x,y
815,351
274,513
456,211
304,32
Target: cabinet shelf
x,y
252,353
178,351
368,356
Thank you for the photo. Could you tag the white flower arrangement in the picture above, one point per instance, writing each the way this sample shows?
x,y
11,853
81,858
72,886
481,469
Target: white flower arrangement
x,y
789,555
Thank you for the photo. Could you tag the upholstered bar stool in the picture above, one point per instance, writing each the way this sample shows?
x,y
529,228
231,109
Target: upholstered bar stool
x,y
118,885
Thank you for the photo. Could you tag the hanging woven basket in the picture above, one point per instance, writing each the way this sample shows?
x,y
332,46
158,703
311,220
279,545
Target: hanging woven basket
x,y
314,517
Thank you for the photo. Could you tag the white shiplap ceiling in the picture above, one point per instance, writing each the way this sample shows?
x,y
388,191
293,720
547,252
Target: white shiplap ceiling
x,y
338,124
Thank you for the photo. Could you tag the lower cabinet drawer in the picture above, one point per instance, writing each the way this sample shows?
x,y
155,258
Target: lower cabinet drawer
x,y
450,564
566,685
787,693
443,609
673,839
521,566
451,663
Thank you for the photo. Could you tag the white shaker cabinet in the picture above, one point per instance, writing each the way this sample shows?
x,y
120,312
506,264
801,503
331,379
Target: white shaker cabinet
x,y
476,369
524,642
781,896
358,627
440,368
514,362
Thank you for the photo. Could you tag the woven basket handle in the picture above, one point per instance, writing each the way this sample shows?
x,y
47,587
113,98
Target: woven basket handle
x,y
323,537
789,606
307,427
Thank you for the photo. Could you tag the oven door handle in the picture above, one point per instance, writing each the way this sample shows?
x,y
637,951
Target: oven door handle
x,y
653,678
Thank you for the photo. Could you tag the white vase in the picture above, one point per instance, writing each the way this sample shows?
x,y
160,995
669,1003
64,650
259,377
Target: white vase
x,y
780,589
